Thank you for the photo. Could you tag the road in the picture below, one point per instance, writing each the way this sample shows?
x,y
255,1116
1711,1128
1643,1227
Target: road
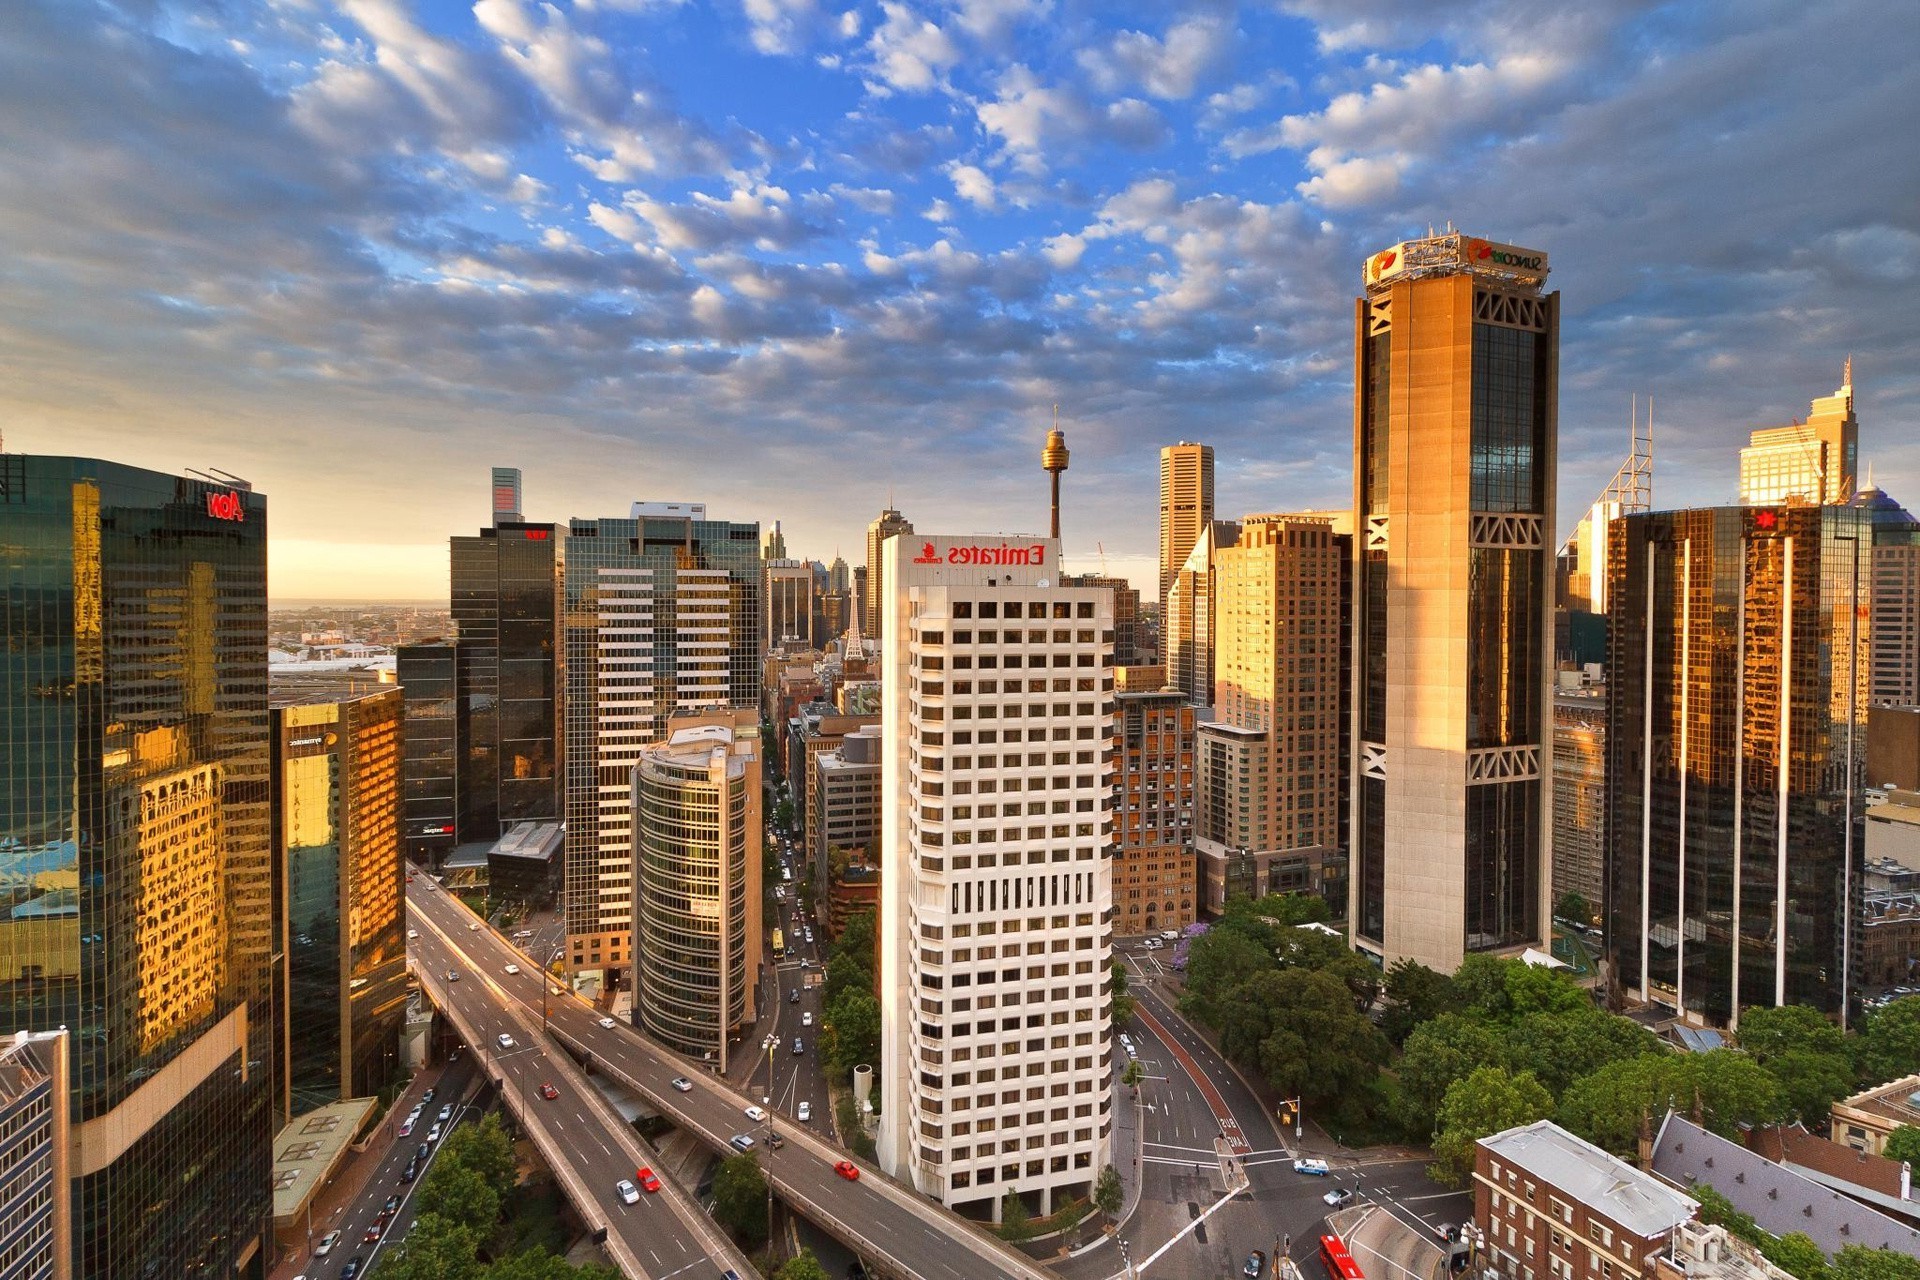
x,y
903,1232
590,1148
793,1010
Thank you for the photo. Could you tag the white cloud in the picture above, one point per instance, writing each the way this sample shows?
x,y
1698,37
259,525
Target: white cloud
x,y
1032,118
973,185
909,52
990,22
779,26
1168,67
1065,251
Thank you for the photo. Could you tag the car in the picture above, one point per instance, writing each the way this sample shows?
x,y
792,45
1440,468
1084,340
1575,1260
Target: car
x,y
755,1114
793,997
512,969
352,1268
524,933
372,1233
446,1112
427,1097
1307,1164
412,934
411,1172
775,1141
421,1153
433,1134
474,927
741,1142
504,1040
628,1193
647,1178
1169,935
806,1018
391,1207
548,1092
606,1024
683,1084
1338,1196
806,1112
453,975
809,937
797,1046
326,1244
1256,1265
847,1169
406,1126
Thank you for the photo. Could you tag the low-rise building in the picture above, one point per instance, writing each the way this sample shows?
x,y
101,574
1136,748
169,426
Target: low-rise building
x,y
1865,1120
1883,1184
1779,1200
1552,1206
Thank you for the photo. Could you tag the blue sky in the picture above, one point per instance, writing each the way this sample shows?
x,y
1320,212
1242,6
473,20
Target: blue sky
x,y
794,259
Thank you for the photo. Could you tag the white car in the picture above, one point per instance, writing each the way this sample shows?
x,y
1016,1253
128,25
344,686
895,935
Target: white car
x,y
682,1084
412,934
628,1193
756,1115
806,1018
1152,944
606,1024
504,1040
1306,1164
474,927
806,1112
326,1244
512,969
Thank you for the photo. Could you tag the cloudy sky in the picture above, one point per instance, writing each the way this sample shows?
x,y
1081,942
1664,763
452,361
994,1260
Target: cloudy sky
x,y
794,257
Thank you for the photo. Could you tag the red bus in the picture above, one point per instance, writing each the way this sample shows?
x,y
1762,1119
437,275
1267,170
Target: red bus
x,y
1338,1262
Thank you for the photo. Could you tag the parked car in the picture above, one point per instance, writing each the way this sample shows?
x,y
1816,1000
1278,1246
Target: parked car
x,y
446,1111
433,1134
406,1126
1306,1164
427,1097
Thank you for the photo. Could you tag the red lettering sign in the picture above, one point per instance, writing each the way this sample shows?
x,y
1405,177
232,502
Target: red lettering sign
x,y
226,506
927,554
536,535
1002,554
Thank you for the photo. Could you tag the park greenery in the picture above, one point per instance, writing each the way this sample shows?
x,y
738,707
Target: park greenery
x,y
740,1199
463,1230
850,1011
1419,1056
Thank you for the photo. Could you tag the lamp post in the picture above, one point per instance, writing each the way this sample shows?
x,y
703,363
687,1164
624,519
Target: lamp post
x,y
546,984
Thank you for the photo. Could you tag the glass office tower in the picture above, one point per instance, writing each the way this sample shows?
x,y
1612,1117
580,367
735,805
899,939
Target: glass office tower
x,y
428,675
1733,630
1456,359
336,827
138,871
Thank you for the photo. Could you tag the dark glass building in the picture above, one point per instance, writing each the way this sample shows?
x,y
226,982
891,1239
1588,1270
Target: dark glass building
x,y
1733,631
1456,360
134,811
336,828
428,674
663,616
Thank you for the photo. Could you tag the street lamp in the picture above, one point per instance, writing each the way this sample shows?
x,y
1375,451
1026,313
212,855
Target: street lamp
x,y
546,984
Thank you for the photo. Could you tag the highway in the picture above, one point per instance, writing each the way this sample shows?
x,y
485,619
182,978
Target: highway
x,y
899,1233
664,1234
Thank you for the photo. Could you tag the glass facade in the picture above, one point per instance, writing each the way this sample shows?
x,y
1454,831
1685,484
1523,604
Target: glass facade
x,y
1506,679
337,835
428,675
1509,419
1732,630
139,882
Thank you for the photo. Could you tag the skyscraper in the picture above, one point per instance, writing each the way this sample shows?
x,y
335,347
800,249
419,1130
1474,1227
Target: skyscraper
x,y
887,524
336,837
996,884
788,596
1731,629
1186,509
1812,462
776,548
141,908
36,1201
1126,614
1267,781
1895,613
662,616
1187,614
429,677
1153,859
697,833
1455,391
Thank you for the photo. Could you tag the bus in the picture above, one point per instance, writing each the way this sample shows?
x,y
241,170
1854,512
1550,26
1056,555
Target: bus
x,y
1338,1262
779,944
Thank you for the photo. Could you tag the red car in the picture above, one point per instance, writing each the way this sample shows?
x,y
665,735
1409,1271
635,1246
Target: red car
x,y
646,1178
848,1170
373,1233
548,1092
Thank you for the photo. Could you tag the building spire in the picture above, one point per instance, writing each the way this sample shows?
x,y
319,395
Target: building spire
x,y
1053,460
1846,379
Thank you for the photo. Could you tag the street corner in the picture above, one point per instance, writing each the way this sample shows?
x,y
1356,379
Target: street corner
x,y
1381,1243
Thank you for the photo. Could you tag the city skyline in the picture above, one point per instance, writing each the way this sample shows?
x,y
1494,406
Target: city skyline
x,y
343,252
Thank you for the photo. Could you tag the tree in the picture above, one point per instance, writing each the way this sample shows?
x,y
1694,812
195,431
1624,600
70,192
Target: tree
x,y
462,1195
1489,1101
436,1249
740,1199
1134,1074
850,1031
803,1267
1415,995
487,1150
1610,1106
1108,1194
1889,1045
537,1264
1013,1217
1574,907
1533,988
1857,1262
1810,1083
1447,1049
1120,979
1481,981
1560,1047
1218,962
1319,1045
1797,1254
1717,1210
1904,1144
1766,1033
1121,1010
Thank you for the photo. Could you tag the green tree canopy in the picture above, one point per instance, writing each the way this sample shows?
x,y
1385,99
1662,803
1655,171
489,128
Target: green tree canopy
x,y
1217,963
1415,995
1120,979
1134,1074
461,1195
1488,1101
1857,1262
487,1150
740,1199
1449,1048
1108,1194
1810,1083
1608,1107
1560,1047
1904,1144
1797,1254
537,1264
1889,1045
1318,1046
850,1031
1766,1033
803,1267
436,1249
1572,906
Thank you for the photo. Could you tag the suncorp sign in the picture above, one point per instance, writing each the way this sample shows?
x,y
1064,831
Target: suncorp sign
x,y
1452,253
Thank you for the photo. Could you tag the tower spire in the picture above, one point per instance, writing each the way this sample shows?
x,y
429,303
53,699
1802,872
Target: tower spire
x,y
1053,460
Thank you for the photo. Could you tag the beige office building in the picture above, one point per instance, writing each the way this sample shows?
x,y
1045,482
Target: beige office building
x,y
996,906
1809,462
886,525
1268,767
1186,507
1456,368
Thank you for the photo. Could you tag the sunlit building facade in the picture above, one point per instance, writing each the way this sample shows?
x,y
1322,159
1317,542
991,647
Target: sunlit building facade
x,y
336,837
141,905
1456,351
996,908
1732,630
697,834
873,591
1186,509
1813,462
1154,876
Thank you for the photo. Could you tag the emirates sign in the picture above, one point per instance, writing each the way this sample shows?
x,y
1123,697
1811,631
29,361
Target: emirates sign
x,y
978,553
226,505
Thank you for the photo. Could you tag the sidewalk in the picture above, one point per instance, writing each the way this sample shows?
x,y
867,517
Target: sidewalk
x,y
356,1170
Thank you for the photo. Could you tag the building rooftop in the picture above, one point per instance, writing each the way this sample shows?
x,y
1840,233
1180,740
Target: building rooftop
x,y
539,841
1630,1198
306,1151
1897,1101
1774,1196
